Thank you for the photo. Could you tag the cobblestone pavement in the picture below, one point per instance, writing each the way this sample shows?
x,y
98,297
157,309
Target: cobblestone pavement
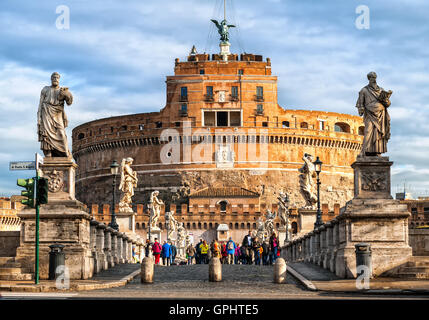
x,y
238,281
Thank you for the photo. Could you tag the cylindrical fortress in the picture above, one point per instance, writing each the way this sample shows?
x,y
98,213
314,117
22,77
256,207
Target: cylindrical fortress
x,y
221,127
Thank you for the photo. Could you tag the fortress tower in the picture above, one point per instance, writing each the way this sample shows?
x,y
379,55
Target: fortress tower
x,y
221,128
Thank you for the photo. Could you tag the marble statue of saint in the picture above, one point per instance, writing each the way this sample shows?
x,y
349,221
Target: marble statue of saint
x,y
283,207
181,234
127,185
260,231
155,208
269,223
171,223
223,29
306,183
372,104
52,120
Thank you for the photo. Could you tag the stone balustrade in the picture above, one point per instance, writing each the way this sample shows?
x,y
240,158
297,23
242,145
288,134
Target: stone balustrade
x,y
318,246
110,247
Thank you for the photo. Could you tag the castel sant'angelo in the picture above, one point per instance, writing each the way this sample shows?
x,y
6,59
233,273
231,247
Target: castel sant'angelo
x,y
222,145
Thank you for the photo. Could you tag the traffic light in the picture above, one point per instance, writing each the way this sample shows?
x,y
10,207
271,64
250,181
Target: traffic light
x,y
28,184
42,191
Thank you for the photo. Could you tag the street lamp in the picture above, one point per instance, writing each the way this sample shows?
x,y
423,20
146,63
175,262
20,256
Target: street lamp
x,y
318,169
114,167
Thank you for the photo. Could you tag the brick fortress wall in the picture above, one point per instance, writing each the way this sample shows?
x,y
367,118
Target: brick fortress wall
x,y
284,135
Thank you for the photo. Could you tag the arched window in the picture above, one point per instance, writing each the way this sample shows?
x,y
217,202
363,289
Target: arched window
x,y
342,127
294,227
137,225
81,136
223,205
304,125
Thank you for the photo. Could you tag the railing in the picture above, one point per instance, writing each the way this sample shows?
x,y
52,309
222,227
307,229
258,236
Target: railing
x,y
110,247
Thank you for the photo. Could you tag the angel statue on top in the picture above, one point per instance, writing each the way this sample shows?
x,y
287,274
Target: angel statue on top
x,y
127,185
223,29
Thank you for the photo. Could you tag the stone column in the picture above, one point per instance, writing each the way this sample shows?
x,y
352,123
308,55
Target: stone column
x,y
311,241
329,245
108,246
102,261
115,259
119,247
125,249
93,244
323,246
316,246
335,244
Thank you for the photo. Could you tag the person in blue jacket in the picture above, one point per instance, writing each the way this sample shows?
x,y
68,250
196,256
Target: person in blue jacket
x,y
166,253
230,250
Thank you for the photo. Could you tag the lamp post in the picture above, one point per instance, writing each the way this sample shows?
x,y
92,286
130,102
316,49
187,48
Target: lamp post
x,y
318,169
114,167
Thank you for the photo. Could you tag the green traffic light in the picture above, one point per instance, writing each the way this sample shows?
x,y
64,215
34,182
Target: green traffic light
x,y
28,184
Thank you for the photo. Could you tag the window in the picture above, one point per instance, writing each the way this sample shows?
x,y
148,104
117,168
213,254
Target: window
x,y
235,118
184,109
202,71
342,127
259,109
81,136
124,128
141,127
222,119
321,125
183,93
265,124
285,124
234,91
223,205
177,124
260,91
159,124
361,130
304,125
209,90
240,71
209,118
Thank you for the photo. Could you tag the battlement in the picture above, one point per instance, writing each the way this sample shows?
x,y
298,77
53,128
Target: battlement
x,y
9,208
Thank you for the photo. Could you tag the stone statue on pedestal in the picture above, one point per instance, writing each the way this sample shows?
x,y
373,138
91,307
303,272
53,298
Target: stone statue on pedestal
x,y
127,185
306,183
155,208
283,208
260,231
171,223
181,235
269,223
372,104
52,120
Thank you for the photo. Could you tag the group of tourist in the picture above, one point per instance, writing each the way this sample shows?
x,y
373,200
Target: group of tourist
x,y
251,251
167,252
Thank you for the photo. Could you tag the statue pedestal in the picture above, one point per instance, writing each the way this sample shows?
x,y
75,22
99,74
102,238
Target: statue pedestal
x,y
61,174
372,178
372,217
63,220
126,222
63,223
224,50
307,218
155,233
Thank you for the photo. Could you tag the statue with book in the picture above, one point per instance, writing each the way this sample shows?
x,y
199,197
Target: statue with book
x,y
372,104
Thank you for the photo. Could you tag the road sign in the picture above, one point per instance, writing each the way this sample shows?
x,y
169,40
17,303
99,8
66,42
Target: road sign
x,y
22,165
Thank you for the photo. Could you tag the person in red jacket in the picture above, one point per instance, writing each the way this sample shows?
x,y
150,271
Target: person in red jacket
x,y
156,249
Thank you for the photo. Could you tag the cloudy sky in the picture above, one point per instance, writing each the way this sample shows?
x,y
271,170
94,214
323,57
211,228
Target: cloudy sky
x,y
116,54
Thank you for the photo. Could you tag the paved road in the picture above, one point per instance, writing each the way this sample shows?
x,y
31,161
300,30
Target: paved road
x,y
238,281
